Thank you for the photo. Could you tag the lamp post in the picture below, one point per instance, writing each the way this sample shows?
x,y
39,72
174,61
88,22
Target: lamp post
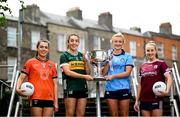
x,y
20,21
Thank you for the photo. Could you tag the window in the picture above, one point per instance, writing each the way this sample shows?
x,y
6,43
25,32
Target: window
x,y
132,46
82,45
97,43
174,52
160,48
11,62
35,36
61,42
11,37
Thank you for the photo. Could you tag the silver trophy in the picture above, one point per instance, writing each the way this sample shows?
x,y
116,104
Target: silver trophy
x,y
97,58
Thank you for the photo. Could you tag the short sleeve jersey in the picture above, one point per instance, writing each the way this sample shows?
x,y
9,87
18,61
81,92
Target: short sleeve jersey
x,y
149,74
77,65
118,65
41,74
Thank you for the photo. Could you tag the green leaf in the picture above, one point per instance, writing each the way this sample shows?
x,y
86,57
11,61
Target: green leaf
x,y
3,21
5,8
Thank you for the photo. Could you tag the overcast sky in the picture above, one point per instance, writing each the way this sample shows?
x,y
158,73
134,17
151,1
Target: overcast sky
x,y
146,14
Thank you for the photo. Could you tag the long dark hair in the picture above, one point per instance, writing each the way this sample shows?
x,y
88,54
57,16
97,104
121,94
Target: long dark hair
x,y
42,40
69,39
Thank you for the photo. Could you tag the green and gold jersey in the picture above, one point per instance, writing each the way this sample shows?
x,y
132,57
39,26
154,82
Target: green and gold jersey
x,y
77,65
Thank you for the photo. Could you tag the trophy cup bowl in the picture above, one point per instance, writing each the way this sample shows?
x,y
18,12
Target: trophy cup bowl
x,y
98,56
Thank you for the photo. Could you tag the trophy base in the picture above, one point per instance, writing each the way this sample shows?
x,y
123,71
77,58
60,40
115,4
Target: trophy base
x,y
99,78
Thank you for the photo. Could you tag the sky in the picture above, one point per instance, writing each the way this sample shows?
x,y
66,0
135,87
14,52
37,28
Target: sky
x,y
145,14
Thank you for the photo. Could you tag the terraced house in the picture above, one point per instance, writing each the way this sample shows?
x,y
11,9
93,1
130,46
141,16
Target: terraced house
x,y
36,24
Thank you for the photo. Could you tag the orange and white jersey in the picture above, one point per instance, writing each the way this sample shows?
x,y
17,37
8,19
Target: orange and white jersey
x,y
41,74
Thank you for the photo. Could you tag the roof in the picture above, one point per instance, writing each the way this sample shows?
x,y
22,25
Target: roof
x,y
12,18
70,21
150,34
132,32
83,24
46,18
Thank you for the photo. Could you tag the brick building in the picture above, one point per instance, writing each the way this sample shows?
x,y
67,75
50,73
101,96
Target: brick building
x,y
37,24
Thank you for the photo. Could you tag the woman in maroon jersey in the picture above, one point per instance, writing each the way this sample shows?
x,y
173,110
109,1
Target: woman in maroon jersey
x,y
151,71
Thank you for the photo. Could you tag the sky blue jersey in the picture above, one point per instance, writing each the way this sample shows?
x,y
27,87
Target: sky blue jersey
x,y
118,64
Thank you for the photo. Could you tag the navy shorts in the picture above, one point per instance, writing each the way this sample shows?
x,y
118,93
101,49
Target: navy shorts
x,y
75,94
42,103
151,105
119,94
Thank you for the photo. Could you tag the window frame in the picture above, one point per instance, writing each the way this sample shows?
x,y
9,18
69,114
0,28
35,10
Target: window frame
x,y
160,50
96,43
174,52
61,45
11,37
35,37
11,61
81,47
133,48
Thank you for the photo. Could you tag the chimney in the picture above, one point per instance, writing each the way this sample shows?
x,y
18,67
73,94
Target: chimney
x,y
136,29
75,12
165,28
105,19
32,12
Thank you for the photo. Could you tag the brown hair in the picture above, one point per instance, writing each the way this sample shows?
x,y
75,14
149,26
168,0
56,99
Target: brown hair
x,y
69,39
41,40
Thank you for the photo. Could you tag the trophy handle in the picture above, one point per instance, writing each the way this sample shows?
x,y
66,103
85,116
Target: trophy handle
x,y
87,56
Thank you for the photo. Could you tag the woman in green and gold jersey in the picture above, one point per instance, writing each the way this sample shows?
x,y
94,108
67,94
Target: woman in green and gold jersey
x,y
75,71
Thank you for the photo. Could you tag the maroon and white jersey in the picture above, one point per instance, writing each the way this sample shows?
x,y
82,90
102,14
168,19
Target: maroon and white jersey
x,y
151,72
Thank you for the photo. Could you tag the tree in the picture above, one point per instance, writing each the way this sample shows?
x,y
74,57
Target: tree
x,y
5,8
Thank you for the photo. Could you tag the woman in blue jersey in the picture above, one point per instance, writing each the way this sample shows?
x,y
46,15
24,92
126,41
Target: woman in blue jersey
x,y
117,73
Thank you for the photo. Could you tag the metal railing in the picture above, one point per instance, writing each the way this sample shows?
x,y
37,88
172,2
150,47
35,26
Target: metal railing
x,y
135,83
3,83
176,79
173,104
13,76
12,87
12,95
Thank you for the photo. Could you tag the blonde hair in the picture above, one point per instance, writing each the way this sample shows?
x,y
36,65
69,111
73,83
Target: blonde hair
x,y
155,46
119,34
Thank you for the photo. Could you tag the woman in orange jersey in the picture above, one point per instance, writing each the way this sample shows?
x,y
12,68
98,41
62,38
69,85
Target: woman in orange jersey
x,y
41,72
